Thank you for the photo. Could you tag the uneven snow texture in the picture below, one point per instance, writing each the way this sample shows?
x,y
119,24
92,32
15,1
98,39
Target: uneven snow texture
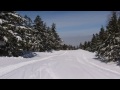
x,y
71,64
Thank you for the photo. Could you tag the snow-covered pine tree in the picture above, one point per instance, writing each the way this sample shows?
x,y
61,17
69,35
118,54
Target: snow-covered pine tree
x,y
16,37
110,48
3,41
7,24
93,43
46,37
88,46
96,40
102,35
18,34
41,35
55,38
49,42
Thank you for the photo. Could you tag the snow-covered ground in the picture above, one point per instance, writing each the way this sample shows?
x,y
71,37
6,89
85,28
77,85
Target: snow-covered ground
x,y
71,64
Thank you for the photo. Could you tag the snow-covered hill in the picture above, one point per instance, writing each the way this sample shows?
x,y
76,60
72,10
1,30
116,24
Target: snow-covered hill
x,y
75,64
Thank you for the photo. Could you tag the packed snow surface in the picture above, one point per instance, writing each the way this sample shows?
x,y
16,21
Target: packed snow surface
x,y
70,64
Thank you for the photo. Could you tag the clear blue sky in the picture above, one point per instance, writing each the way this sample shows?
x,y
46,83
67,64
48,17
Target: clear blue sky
x,y
72,26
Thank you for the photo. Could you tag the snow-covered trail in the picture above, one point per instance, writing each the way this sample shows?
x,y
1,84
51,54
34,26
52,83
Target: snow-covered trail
x,y
76,64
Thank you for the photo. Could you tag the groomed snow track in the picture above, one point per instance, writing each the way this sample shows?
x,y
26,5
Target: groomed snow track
x,y
73,64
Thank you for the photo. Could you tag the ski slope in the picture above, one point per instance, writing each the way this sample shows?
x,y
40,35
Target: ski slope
x,y
69,64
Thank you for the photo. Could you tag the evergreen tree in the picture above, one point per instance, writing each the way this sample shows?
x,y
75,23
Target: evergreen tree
x,y
102,34
38,25
55,37
107,42
93,43
109,50
10,22
88,47
81,46
28,21
19,35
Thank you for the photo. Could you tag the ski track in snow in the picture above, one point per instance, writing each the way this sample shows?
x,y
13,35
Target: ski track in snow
x,y
8,69
71,64
86,59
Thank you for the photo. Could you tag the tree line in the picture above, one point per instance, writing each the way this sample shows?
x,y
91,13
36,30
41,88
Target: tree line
x,y
106,43
19,34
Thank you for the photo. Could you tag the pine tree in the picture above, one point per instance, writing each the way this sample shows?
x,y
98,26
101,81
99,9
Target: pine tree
x,y
55,37
88,46
19,35
106,43
93,43
38,26
16,36
102,34
109,50
81,46
10,19
28,21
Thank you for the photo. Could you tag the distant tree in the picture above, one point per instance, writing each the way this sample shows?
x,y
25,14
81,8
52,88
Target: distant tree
x,y
28,21
55,37
81,46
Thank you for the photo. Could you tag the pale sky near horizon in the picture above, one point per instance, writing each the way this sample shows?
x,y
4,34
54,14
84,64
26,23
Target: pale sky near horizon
x,y
72,26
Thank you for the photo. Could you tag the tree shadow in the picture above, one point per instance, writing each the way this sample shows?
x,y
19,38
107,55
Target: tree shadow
x,y
101,60
29,54
118,63
107,61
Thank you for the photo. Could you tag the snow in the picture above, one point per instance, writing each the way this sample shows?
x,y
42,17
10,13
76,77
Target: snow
x,y
19,38
14,15
18,16
3,21
5,27
10,31
117,38
14,34
0,21
69,64
5,38
21,27
11,25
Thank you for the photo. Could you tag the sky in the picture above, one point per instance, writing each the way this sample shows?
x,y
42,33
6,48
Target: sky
x,y
72,26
